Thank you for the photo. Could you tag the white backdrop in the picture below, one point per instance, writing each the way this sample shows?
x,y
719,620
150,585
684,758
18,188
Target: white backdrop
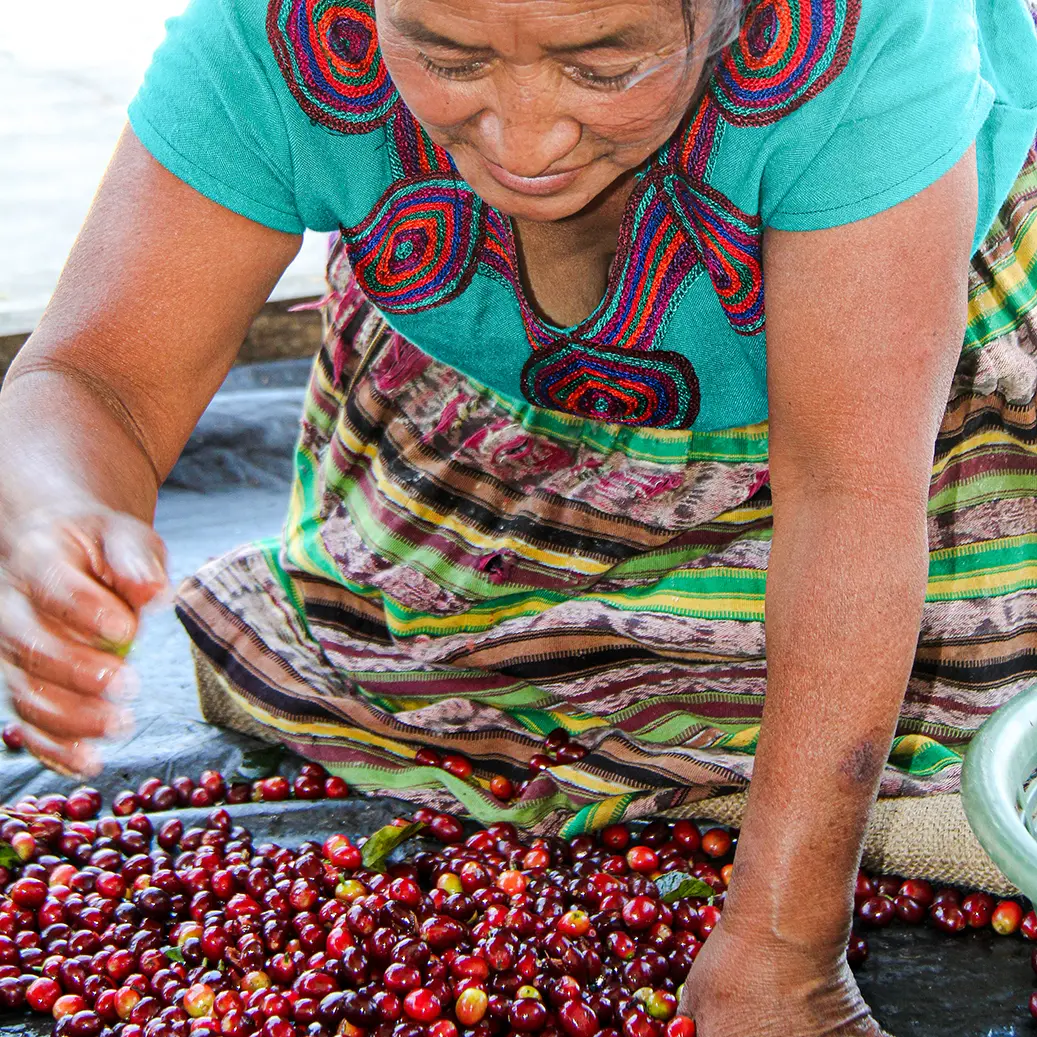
x,y
68,69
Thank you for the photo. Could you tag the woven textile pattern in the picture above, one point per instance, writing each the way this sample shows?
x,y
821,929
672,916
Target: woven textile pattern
x,y
463,571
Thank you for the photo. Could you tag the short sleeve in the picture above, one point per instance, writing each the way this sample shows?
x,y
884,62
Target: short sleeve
x,y
208,112
907,108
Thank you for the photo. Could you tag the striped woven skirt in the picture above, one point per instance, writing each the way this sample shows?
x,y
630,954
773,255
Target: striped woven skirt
x,y
465,572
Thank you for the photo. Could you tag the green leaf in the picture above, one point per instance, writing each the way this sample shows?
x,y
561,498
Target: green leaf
x,y
376,850
260,763
8,858
173,954
677,885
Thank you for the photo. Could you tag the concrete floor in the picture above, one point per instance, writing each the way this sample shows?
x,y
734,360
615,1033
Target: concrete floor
x,y
67,73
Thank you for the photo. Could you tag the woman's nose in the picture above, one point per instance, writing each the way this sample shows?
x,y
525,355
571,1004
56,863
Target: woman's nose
x,y
524,131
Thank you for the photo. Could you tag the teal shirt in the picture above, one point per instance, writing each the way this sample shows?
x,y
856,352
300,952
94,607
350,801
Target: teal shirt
x,y
285,114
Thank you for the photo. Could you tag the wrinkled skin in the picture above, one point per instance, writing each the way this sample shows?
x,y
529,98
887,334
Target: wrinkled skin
x,y
744,983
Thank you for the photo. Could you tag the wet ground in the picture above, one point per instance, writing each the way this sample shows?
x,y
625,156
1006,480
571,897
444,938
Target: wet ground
x,y
231,486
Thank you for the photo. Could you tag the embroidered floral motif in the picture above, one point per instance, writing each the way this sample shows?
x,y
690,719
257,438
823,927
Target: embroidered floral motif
x,y
328,53
787,52
419,245
657,388
430,233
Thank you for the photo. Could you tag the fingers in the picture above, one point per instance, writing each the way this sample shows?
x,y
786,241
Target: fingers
x,y
135,560
73,759
37,647
83,606
62,714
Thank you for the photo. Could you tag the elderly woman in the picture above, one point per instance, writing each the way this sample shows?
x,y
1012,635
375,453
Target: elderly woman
x,y
555,444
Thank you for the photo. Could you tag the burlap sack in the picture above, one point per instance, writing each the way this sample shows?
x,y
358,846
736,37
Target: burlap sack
x,y
925,837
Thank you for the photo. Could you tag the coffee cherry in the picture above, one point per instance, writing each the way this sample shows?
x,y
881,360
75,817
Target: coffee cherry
x,y
716,842
13,737
335,787
640,913
42,995
979,909
918,890
642,859
909,910
501,787
28,893
456,765
948,917
446,829
470,1007
575,923
422,1005
877,912
527,1015
1028,926
856,950
680,1026
1006,917
615,837
1033,1004
428,758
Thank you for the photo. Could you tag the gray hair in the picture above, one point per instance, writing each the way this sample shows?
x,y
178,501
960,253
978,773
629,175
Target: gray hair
x,y
727,21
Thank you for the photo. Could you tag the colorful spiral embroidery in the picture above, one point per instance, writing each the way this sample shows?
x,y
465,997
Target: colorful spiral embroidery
x,y
787,52
656,389
730,242
328,53
419,246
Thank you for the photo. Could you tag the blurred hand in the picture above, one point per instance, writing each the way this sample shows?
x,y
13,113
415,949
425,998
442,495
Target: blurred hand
x,y
72,588
749,984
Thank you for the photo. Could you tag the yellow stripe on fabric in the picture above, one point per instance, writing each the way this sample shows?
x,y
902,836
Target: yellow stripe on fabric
x,y
586,781
921,756
470,535
337,731
682,593
999,305
747,444
986,569
596,816
544,721
741,741
992,438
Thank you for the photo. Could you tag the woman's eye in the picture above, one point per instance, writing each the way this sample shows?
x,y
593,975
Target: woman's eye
x,y
464,71
612,81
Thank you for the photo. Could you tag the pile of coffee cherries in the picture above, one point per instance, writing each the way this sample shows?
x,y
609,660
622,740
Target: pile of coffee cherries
x,y
132,925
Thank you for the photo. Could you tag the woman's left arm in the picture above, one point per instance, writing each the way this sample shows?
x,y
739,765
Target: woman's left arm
x,y
864,328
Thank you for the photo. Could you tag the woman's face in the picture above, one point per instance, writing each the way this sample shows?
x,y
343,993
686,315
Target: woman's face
x,y
542,104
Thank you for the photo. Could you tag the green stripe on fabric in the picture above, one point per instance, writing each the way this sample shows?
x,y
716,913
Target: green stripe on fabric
x,y
1015,305
543,721
748,445
698,593
992,486
303,543
596,816
924,760
658,563
478,803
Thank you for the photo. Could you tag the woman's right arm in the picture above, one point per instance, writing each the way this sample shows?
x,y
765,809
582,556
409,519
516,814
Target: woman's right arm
x,y
156,297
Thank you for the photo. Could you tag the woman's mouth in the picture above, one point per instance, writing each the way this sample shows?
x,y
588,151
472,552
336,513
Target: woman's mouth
x,y
538,186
